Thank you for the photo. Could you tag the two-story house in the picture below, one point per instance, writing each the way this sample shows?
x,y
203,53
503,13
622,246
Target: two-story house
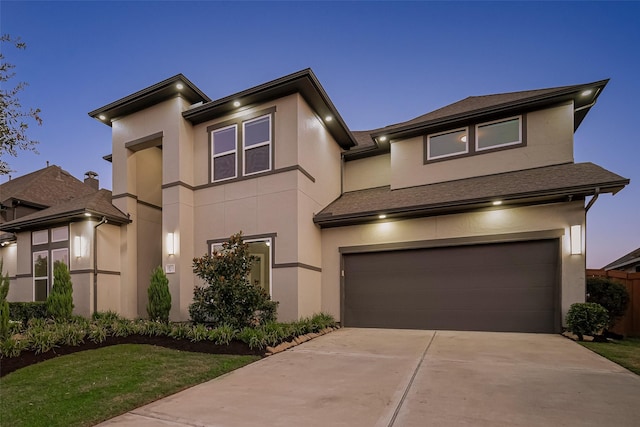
x,y
469,217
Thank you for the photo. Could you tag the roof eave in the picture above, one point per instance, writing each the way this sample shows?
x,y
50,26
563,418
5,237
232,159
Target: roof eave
x,y
622,264
18,225
149,96
303,82
512,200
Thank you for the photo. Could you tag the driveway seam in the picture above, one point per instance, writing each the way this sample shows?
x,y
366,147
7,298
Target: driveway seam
x,y
415,372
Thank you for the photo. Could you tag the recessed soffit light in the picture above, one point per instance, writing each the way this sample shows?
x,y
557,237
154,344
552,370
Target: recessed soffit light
x,y
497,202
587,92
382,139
87,214
180,86
328,119
383,216
236,103
102,117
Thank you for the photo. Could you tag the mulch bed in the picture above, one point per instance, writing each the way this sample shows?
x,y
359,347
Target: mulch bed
x,y
26,358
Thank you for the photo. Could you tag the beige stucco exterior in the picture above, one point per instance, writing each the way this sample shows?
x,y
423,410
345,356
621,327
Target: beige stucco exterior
x,y
549,142
481,226
369,172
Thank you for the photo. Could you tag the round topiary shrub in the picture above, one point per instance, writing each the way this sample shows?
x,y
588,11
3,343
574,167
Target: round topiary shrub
x,y
613,296
586,318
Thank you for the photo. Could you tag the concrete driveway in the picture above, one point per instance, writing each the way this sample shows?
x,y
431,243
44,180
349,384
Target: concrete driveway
x,y
378,377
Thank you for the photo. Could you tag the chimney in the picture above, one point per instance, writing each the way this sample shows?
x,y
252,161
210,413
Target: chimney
x,y
91,179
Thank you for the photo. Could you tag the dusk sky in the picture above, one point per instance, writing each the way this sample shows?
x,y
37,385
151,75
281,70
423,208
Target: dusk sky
x,y
380,62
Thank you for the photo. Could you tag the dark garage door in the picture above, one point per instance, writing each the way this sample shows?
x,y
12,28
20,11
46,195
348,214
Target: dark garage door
x,y
489,287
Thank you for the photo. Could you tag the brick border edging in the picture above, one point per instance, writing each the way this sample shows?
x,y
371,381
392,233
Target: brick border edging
x,y
298,340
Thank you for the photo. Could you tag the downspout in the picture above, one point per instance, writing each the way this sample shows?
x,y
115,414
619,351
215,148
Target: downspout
x,y
95,262
593,200
596,193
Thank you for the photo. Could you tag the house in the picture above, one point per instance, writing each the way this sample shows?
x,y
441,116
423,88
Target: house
x,y
48,216
470,217
629,263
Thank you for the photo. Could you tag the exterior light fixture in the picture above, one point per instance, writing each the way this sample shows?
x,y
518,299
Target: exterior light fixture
x,y
463,138
382,138
180,86
383,216
236,103
78,246
497,202
171,244
587,92
102,117
576,239
328,119
87,214
268,243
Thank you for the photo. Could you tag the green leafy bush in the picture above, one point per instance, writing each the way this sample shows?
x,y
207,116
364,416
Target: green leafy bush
x,y
228,298
613,296
23,311
12,347
4,305
60,300
159,304
586,318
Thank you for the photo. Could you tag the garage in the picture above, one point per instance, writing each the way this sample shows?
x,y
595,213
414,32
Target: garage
x,y
506,287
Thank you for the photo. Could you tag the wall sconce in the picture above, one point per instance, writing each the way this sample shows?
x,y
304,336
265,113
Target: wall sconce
x,y
78,246
171,244
576,240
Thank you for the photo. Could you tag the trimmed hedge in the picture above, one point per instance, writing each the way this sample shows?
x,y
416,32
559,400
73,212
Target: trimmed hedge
x,y
23,311
586,318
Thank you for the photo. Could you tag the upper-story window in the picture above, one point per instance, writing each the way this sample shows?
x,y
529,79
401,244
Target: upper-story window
x,y
242,147
447,144
475,139
498,134
224,142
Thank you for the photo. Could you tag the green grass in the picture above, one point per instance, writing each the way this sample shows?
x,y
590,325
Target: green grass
x,y
84,388
625,353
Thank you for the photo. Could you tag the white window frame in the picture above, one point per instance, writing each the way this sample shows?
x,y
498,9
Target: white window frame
x,y
262,144
234,151
33,266
52,261
268,240
442,156
44,233
53,230
508,119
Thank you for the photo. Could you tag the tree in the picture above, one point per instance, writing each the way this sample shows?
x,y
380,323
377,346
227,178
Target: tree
x,y
14,120
60,300
610,294
159,304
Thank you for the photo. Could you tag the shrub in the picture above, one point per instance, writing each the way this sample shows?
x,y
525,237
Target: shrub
x,y
159,304
60,300
4,305
23,311
228,298
613,296
586,318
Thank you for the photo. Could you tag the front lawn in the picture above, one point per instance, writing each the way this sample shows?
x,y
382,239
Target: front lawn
x,y
625,353
88,387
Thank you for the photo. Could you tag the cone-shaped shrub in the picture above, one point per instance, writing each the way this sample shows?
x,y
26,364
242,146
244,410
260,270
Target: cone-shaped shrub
x,y
60,300
159,304
4,305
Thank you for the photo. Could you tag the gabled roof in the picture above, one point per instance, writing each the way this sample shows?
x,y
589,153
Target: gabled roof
x,y
44,187
97,204
485,107
630,258
538,185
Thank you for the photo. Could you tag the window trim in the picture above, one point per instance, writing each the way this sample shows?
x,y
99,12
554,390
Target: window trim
x,y
33,235
66,227
493,122
34,254
442,156
66,251
225,153
261,144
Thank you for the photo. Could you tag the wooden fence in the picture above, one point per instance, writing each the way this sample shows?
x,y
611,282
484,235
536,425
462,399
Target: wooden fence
x,y
629,324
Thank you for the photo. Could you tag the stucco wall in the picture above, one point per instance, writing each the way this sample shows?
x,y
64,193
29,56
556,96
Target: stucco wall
x,y
9,257
489,223
369,172
549,142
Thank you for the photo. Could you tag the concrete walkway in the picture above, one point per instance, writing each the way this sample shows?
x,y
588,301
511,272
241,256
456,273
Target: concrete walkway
x,y
377,377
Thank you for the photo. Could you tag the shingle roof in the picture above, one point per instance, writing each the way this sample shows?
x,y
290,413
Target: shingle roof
x,y
97,203
576,179
633,256
45,187
476,105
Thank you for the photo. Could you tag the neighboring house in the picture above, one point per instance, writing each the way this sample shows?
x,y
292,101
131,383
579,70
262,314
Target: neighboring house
x,y
468,217
48,216
629,263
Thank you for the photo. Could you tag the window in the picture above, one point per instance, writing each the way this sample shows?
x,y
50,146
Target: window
x,y
40,237
243,146
224,142
256,143
59,255
47,252
260,273
498,134
40,275
447,144
59,234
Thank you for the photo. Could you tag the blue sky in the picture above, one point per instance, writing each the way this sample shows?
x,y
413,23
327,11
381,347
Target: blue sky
x,y
380,62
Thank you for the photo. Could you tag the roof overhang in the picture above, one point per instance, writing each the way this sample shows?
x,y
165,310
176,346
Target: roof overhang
x,y
582,105
623,264
172,87
303,82
76,216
